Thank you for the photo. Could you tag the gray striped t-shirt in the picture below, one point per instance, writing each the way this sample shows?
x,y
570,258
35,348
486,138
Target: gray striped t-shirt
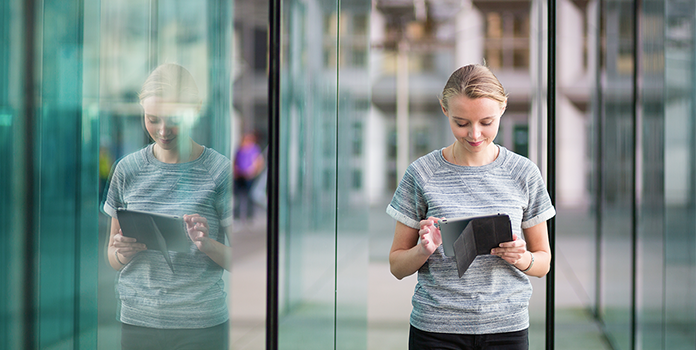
x,y
150,294
492,296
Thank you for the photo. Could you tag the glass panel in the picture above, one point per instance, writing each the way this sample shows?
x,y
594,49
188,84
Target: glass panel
x,y
324,103
617,174
13,177
308,191
250,110
578,148
679,175
413,54
135,38
49,156
352,234
651,254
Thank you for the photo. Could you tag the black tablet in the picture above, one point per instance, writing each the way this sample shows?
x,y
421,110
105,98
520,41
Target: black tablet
x,y
160,232
491,231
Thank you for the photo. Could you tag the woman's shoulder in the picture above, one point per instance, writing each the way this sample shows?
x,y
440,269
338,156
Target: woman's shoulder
x,y
428,161
133,161
518,164
213,157
215,163
426,165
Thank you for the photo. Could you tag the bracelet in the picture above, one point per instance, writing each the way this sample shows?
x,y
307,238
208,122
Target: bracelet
x,y
530,264
117,259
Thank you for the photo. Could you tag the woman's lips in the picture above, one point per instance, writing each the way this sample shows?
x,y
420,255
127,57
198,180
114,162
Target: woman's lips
x,y
475,144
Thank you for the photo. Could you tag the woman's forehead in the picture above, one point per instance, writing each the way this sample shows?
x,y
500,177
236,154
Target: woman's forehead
x,y
159,107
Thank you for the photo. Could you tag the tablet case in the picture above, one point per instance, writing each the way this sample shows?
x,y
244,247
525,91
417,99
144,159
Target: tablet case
x,y
160,232
480,236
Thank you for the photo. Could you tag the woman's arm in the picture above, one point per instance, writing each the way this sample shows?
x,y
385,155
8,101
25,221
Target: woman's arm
x,y
519,252
121,249
406,255
197,227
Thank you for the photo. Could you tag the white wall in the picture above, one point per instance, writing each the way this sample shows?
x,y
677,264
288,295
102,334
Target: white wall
x,y
469,45
375,156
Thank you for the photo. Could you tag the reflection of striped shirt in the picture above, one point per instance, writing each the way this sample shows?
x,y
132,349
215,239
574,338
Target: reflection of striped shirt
x,y
150,294
492,296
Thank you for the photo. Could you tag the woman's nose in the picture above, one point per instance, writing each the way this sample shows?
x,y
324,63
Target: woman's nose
x,y
164,128
475,132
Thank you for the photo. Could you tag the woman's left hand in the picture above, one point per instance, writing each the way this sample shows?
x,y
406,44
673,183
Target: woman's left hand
x,y
197,228
512,251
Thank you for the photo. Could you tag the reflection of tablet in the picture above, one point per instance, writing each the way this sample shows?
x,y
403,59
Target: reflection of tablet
x,y
157,231
452,228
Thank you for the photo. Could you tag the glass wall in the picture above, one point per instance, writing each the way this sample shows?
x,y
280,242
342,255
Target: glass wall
x,y
651,165
49,190
618,156
71,72
359,85
629,244
415,49
324,105
134,38
679,177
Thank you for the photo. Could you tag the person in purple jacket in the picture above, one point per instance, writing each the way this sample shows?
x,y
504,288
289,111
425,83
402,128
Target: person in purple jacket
x,y
248,164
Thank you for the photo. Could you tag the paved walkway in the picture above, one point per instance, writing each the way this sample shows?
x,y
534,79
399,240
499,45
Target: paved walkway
x,y
388,298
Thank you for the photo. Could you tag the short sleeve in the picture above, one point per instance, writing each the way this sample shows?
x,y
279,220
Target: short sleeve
x,y
224,197
408,205
539,208
114,194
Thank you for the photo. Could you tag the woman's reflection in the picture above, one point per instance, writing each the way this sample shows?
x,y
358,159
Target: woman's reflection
x,y
183,307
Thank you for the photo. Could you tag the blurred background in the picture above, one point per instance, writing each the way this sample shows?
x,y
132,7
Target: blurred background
x,y
358,91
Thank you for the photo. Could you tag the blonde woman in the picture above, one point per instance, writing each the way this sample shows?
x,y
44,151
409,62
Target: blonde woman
x,y
487,308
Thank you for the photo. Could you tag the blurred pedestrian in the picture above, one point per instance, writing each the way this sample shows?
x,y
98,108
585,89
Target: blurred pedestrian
x,y
248,164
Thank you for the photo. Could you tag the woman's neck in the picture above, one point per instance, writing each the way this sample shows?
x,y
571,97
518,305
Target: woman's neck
x,y
460,156
187,152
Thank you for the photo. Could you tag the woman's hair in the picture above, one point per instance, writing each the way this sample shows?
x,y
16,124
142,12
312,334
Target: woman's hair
x,y
473,81
170,82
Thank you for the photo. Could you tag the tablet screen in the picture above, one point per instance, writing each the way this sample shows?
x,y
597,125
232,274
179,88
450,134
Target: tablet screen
x,y
141,226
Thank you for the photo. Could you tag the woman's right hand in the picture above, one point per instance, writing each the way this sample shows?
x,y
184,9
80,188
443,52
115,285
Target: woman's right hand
x,y
126,247
412,247
430,236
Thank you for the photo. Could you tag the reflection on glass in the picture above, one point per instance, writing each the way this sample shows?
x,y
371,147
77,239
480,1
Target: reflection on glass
x,y
177,298
134,38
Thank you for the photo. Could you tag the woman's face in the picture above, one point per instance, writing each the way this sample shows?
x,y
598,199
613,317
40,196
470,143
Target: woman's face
x,y
165,121
474,122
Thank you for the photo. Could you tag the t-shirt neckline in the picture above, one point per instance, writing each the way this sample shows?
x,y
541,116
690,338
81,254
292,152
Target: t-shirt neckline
x,y
475,168
150,157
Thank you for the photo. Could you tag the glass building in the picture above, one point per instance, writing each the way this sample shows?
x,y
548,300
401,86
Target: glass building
x,y
343,96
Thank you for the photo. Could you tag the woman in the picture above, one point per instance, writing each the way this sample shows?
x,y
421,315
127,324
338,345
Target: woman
x,y
183,307
487,307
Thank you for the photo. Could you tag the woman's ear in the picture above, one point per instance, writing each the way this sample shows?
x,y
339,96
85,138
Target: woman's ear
x,y
444,110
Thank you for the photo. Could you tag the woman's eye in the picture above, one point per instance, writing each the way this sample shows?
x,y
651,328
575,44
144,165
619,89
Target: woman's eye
x,y
153,120
487,124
